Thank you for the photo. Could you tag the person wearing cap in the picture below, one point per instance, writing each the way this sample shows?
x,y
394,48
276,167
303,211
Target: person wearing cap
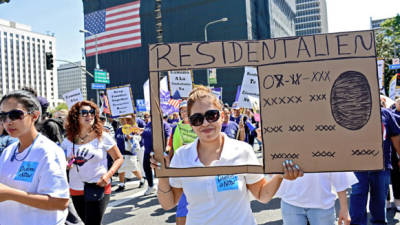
x,y
241,121
129,146
182,134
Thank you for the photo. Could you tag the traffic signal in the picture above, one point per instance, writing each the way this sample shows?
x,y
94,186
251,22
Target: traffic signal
x,y
49,61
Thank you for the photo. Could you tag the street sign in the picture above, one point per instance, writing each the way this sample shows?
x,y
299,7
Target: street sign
x,y
96,86
394,67
101,77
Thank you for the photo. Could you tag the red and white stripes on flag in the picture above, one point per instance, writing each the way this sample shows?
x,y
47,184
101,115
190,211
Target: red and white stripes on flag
x,y
117,28
175,103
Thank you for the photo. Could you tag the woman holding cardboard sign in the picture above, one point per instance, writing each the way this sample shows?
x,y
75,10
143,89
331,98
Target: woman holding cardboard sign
x,y
221,199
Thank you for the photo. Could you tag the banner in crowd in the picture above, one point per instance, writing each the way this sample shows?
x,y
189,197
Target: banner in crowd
x,y
318,96
73,97
381,75
140,105
394,87
249,87
180,83
121,100
212,76
217,91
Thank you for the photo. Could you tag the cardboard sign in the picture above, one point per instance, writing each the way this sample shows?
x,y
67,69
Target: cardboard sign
x,y
249,87
180,83
73,97
319,99
120,100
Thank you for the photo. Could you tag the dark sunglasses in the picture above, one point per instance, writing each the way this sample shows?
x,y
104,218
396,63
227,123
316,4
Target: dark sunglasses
x,y
13,115
197,119
85,113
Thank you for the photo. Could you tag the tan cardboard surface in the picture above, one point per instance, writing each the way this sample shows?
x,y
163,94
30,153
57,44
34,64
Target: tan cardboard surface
x,y
319,99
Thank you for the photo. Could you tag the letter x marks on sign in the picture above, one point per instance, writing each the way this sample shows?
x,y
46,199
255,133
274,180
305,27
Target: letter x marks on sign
x,y
274,129
282,100
317,97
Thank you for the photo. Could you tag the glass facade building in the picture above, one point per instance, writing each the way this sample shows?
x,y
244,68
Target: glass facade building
x,y
311,17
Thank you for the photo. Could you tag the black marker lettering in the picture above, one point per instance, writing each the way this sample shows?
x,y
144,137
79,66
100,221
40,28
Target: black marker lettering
x,y
265,46
251,52
302,49
234,52
181,56
315,47
164,56
340,45
223,52
362,42
202,53
266,82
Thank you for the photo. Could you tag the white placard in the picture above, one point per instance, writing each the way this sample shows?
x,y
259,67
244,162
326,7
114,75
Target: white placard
x,y
381,68
181,82
120,100
396,61
73,97
249,87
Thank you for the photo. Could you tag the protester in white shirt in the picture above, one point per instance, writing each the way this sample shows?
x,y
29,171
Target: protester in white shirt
x,y
311,198
33,181
87,147
222,199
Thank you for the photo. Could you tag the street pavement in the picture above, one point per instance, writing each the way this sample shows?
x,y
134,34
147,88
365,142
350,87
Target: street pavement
x,y
131,207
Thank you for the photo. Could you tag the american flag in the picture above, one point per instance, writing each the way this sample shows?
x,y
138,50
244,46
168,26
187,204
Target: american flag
x,y
116,28
175,103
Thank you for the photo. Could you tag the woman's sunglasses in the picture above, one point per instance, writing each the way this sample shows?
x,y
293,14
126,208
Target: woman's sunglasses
x,y
85,113
13,115
197,119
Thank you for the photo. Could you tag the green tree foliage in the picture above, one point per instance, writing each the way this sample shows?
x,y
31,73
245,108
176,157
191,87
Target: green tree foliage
x,y
61,106
385,42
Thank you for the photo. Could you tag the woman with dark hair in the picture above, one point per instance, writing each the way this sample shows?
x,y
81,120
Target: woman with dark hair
x,y
223,199
33,180
5,139
87,147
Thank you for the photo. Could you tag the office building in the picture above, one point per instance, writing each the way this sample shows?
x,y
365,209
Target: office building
x,y
71,76
311,17
23,61
180,21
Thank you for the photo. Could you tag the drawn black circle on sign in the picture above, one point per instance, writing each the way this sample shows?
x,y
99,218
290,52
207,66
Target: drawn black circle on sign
x,y
351,101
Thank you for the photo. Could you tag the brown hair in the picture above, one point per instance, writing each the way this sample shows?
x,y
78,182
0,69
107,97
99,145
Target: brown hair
x,y
200,93
72,122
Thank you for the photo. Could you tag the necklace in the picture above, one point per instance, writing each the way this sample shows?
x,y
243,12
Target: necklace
x,y
14,156
82,139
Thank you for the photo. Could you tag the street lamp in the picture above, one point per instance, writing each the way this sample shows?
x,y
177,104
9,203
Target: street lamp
x,y
95,37
97,60
212,22
206,39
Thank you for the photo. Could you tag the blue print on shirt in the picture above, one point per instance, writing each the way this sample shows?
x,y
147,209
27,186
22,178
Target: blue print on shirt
x,y
26,171
227,182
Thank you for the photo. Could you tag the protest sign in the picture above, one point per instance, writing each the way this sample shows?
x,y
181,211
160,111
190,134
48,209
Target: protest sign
x,y
121,100
249,87
73,97
217,91
319,99
180,83
381,73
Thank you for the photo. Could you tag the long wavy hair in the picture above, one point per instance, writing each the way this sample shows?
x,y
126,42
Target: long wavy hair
x,y
72,127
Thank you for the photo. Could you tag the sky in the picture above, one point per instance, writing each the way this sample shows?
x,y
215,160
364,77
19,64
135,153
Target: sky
x,y
64,18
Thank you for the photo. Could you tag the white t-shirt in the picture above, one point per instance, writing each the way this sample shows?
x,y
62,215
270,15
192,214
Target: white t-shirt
x,y
91,158
314,190
217,200
42,170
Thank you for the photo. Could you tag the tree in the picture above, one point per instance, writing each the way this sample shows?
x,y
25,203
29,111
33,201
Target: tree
x,y
61,106
387,45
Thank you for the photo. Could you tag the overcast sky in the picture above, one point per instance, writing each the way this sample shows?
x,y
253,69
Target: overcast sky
x,y
65,18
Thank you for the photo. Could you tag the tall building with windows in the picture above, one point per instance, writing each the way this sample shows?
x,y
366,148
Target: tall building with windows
x,y
376,24
23,61
311,17
71,76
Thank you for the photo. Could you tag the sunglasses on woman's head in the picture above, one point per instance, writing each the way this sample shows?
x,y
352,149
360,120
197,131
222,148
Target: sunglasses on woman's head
x,y
85,112
13,115
197,119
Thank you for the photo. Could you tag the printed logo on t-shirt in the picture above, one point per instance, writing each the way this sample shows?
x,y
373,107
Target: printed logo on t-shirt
x,y
227,182
26,171
82,156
